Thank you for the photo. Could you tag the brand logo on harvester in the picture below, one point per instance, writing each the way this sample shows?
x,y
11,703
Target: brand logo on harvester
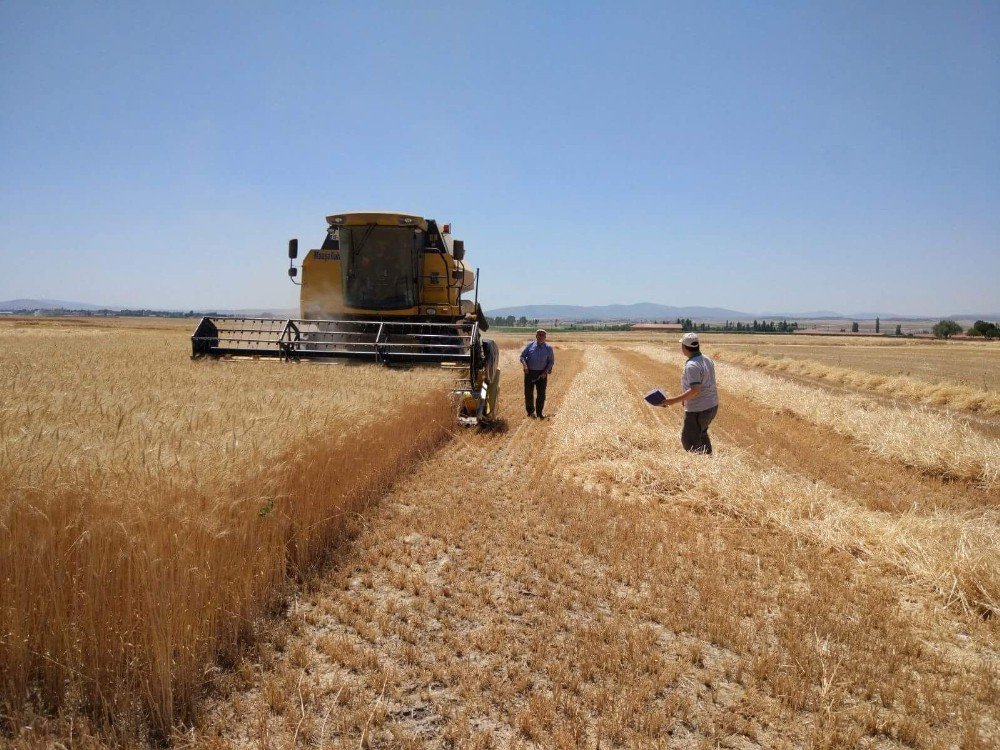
x,y
319,255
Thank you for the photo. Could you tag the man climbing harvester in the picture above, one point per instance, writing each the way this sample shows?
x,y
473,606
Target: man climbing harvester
x,y
537,359
698,394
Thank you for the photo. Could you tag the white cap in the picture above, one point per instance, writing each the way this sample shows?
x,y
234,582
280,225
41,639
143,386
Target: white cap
x,y
690,340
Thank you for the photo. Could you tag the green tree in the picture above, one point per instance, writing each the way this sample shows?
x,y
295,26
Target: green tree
x,y
946,329
984,328
899,329
854,327
877,324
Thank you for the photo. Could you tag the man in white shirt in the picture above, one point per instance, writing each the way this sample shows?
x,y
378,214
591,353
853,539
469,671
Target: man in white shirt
x,y
698,394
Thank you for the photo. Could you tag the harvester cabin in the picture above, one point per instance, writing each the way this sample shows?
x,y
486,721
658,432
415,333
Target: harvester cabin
x,y
386,264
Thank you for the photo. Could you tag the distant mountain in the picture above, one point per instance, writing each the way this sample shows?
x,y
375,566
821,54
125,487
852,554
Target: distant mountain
x,y
653,311
48,304
638,311
976,316
808,314
885,316
55,304
831,315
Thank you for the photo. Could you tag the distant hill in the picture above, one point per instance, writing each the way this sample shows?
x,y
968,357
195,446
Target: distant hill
x,y
814,314
653,311
832,315
638,311
993,316
11,305
48,304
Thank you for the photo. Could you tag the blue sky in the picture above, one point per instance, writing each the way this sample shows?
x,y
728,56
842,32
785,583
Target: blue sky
x,y
748,155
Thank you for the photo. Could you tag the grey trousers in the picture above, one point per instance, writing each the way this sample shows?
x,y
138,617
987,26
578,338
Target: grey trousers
x,y
694,436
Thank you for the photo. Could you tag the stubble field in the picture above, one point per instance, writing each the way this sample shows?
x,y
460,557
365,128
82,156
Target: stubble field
x,y
967,363
260,555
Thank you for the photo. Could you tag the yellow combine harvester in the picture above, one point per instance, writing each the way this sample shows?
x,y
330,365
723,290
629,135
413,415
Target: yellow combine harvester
x,y
384,288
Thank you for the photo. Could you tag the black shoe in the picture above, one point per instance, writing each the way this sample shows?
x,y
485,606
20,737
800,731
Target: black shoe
x,y
541,416
531,415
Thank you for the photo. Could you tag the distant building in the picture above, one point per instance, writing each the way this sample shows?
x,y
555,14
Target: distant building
x,y
657,327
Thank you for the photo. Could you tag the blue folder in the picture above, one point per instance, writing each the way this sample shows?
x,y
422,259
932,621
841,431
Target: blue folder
x,y
656,397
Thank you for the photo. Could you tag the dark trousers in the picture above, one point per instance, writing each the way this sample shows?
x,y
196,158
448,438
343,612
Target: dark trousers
x,y
694,436
533,381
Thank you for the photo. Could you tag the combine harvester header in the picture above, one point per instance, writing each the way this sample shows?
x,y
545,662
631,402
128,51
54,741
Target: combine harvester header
x,y
384,288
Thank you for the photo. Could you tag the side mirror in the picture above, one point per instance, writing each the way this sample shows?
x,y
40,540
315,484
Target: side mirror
x,y
293,249
458,249
293,272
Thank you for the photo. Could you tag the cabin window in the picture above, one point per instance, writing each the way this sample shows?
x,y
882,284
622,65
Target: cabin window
x,y
380,266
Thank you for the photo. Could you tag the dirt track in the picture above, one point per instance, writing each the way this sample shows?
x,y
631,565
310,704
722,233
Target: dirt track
x,y
491,601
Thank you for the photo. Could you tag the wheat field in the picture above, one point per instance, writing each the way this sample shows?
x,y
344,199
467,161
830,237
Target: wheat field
x,y
152,508
237,555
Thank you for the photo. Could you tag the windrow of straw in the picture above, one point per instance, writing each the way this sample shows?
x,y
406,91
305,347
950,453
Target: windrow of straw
x,y
151,508
948,395
928,440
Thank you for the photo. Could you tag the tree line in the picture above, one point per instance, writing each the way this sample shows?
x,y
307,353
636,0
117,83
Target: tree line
x,y
513,322
981,328
758,326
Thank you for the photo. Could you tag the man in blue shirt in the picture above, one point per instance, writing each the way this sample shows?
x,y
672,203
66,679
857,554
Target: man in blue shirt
x,y
536,360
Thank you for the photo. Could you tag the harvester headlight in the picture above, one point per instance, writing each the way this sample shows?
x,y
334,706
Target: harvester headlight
x,y
431,311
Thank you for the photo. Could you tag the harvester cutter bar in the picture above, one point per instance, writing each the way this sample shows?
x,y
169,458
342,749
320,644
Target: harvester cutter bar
x,y
384,342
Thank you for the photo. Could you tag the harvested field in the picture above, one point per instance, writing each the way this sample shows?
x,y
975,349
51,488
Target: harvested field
x,y
876,513
974,365
574,582
954,394
933,441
